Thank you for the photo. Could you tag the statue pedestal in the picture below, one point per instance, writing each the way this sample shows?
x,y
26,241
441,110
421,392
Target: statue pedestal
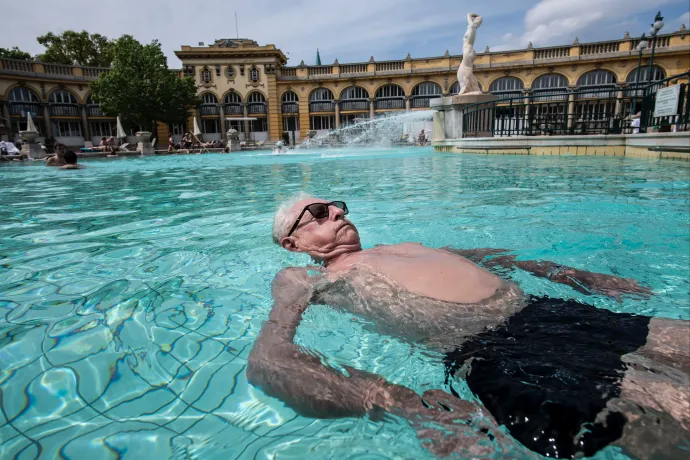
x,y
30,147
450,121
144,143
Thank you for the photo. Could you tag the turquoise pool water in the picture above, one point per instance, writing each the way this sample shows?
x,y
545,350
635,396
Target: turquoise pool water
x,y
131,291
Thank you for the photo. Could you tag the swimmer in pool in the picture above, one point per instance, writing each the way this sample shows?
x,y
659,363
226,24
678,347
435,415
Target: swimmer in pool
x,y
70,159
563,377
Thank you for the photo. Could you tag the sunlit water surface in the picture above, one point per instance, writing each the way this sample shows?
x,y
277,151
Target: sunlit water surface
x,y
132,291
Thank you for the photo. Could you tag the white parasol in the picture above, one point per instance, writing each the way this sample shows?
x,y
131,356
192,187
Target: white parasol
x,y
30,126
120,132
197,131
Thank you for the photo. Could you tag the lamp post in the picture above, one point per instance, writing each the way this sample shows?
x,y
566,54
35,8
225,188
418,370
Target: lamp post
x,y
643,45
653,31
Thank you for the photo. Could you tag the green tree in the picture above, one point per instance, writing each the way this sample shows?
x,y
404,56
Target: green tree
x,y
140,87
14,53
79,48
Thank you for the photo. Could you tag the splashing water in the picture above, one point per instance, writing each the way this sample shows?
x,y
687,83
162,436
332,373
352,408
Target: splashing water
x,y
382,131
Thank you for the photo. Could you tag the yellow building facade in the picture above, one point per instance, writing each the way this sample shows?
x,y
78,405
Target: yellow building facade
x,y
249,87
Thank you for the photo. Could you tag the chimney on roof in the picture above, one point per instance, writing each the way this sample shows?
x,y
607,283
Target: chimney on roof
x,y
201,43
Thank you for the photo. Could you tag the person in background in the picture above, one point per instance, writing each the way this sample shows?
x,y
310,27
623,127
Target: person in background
x,y
70,159
103,146
58,158
171,143
421,140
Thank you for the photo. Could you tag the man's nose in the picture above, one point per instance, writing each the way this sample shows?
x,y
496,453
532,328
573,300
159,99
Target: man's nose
x,y
336,213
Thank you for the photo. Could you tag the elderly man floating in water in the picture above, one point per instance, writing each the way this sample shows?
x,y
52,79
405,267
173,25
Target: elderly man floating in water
x,y
564,378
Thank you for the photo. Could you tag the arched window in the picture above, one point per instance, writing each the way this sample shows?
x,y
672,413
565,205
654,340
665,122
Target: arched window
x,y
23,95
290,102
256,103
63,103
233,103
550,87
632,80
390,97
321,100
601,80
62,96
424,92
209,98
254,74
23,101
597,78
354,98
205,75
209,105
507,87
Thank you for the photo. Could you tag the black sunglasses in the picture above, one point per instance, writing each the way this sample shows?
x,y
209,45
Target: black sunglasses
x,y
319,211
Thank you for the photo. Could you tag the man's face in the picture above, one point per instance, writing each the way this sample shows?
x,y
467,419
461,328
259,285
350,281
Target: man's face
x,y
321,238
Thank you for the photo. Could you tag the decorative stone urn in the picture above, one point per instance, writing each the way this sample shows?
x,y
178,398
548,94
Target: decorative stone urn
x,y
144,143
233,140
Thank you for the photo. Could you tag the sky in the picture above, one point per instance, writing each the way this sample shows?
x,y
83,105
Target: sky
x,y
349,30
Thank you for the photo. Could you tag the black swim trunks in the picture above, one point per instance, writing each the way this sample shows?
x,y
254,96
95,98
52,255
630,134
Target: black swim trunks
x,y
549,371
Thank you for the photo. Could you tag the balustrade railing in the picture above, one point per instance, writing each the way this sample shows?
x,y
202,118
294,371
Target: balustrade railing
x,y
94,72
389,66
288,72
353,68
552,53
599,48
17,66
325,70
57,69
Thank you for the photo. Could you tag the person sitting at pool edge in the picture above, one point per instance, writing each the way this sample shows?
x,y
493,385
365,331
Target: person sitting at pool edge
x,y
563,377
70,161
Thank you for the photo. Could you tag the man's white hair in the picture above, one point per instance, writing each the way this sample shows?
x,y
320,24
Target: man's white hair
x,y
282,221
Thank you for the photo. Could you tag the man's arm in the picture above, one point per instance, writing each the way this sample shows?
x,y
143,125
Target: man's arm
x,y
282,370
582,281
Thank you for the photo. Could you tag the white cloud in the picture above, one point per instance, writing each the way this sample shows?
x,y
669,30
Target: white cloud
x,y
559,21
349,30
682,19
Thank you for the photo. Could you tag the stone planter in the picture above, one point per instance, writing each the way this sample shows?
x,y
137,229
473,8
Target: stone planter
x,y
144,143
30,147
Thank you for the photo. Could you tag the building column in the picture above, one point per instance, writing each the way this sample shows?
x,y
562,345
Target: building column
x,y
337,114
571,110
46,120
528,111
246,122
223,131
372,113
85,125
619,103
408,104
268,125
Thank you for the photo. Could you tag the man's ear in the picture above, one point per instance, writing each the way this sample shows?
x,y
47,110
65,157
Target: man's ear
x,y
289,243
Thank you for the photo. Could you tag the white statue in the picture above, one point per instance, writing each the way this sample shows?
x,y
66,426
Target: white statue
x,y
466,79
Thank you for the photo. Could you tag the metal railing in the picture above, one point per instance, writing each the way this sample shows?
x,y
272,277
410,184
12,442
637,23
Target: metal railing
x,y
384,103
681,120
322,106
233,109
210,109
94,111
290,107
419,102
64,110
256,107
354,105
585,111
22,108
